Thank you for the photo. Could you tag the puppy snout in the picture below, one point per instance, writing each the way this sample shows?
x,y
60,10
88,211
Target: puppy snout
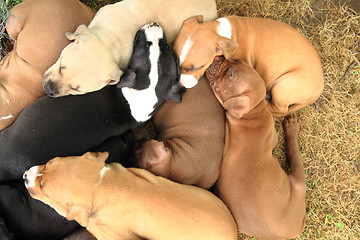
x,y
153,24
50,88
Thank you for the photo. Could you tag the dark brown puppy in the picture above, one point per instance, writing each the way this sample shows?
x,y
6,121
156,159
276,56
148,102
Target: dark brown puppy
x,y
190,141
265,201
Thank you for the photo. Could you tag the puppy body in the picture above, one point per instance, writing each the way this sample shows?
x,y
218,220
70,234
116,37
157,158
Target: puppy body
x,y
283,57
33,25
190,139
265,201
73,125
102,50
103,201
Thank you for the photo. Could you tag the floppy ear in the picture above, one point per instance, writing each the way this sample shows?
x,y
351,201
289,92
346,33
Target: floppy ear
x,y
115,76
226,47
237,106
128,79
97,156
81,30
175,92
198,19
79,214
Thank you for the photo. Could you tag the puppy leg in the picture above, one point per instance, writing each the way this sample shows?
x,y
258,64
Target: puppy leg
x,y
290,93
296,175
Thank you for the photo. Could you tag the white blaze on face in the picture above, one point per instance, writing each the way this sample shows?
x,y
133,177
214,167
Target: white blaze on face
x,y
185,50
142,102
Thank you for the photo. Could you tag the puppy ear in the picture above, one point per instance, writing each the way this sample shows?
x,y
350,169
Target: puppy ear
x,y
226,47
97,156
81,30
175,92
79,214
237,106
198,19
128,79
115,76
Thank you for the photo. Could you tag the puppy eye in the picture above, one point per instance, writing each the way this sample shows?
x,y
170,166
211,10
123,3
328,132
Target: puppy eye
x,y
148,44
192,68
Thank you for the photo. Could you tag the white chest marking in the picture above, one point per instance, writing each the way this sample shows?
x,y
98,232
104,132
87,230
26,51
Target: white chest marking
x,y
6,117
102,174
186,49
142,102
224,28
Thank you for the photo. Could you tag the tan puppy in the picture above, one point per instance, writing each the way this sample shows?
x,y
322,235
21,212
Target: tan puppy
x,y
190,139
113,202
102,50
265,201
38,27
283,57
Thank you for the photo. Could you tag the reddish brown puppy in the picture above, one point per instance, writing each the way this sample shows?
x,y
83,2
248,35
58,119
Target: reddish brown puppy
x,y
190,141
38,28
265,201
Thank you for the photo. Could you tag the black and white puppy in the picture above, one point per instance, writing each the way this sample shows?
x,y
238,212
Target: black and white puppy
x,y
73,125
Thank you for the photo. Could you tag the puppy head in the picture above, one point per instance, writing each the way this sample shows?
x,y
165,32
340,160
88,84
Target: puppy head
x,y
237,86
197,45
84,66
66,184
153,156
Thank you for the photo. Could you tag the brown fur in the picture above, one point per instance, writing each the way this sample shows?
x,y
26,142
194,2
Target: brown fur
x,y
190,140
113,202
284,58
265,201
38,28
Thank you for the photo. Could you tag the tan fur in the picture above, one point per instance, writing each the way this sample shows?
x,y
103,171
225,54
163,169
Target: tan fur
x,y
102,51
120,203
283,57
265,201
38,27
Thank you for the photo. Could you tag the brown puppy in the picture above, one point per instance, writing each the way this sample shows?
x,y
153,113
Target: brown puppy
x,y
113,202
38,28
190,139
283,57
265,201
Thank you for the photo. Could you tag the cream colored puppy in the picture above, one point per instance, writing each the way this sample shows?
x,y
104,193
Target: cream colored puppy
x,y
113,202
101,51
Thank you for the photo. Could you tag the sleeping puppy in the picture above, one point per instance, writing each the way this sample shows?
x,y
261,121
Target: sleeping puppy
x,y
114,202
37,27
75,124
189,141
100,52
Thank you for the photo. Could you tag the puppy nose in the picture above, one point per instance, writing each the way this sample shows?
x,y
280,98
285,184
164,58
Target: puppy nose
x,y
154,24
25,177
50,88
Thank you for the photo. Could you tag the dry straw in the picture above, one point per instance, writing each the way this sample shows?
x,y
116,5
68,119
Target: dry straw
x,y
330,133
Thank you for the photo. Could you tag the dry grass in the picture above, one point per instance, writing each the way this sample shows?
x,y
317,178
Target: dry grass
x,y
330,133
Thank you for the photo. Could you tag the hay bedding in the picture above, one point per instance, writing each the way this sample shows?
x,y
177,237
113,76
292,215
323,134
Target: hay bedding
x,y
330,132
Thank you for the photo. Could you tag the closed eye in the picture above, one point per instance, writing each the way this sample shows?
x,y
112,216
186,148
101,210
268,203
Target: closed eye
x,y
194,68
76,89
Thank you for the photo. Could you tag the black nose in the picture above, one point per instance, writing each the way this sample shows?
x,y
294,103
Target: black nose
x,y
154,24
50,88
25,178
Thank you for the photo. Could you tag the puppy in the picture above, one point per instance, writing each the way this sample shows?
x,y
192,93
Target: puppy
x,y
190,139
283,57
101,51
265,201
76,124
29,219
113,202
38,27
